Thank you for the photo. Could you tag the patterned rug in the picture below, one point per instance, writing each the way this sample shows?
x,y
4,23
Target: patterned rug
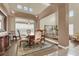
x,y
25,50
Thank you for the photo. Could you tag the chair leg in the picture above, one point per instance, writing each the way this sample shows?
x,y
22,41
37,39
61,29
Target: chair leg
x,y
20,43
34,45
40,44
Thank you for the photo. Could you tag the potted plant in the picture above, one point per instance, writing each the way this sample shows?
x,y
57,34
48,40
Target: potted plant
x,y
56,29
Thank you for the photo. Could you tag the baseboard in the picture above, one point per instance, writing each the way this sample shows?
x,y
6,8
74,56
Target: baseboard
x,y
57,44
52,41
63,46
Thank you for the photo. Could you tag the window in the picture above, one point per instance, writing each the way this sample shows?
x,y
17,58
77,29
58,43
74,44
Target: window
x,y
0,21
26,8
71,29
71,13
23,26
19,6
30,10
2,24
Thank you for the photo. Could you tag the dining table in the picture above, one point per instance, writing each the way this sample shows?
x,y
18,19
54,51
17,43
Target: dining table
x,y
31,38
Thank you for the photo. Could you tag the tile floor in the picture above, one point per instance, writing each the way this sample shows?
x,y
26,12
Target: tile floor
x,y
72,50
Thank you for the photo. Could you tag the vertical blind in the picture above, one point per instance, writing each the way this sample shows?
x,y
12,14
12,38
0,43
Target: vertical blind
x,y
24,26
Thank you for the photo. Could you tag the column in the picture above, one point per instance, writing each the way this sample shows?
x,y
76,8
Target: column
x,y
11,23
63,30
37,22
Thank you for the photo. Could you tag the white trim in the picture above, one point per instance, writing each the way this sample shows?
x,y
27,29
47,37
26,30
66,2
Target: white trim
x,y
3,12
63,46
51,41
52,54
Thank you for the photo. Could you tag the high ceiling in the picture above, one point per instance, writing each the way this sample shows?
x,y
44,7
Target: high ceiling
x,y
37,8
74,6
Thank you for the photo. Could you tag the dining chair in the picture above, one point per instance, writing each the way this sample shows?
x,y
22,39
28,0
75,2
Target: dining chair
x,y
21,39
38,38
35,39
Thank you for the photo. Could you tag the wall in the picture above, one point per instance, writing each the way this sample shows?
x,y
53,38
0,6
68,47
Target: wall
x,y
4,11
11,17
75,18
49,20
11,23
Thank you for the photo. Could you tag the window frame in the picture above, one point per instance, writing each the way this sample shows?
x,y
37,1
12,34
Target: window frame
x,y
26,24
71,30
3,20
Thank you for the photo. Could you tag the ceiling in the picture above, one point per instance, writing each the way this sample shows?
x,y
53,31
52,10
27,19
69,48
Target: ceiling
x,y
73,6
41,9
37,8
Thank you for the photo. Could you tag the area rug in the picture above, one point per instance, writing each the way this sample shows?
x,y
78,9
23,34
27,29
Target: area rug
x,y
21,51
